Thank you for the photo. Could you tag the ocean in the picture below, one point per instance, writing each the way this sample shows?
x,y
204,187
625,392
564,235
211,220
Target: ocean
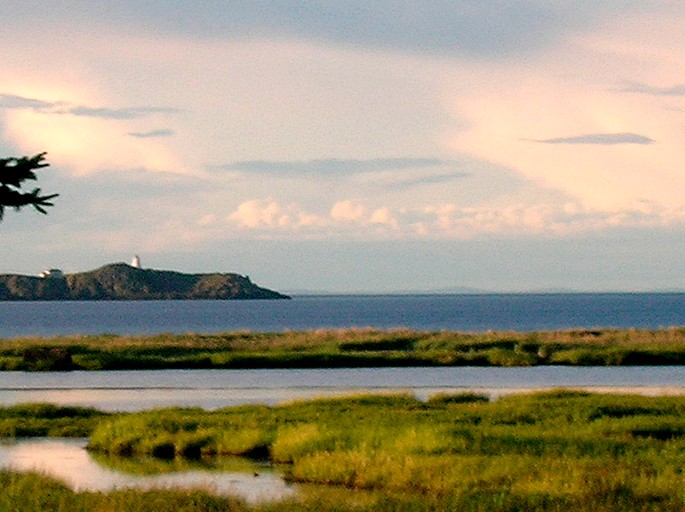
x,y
470,313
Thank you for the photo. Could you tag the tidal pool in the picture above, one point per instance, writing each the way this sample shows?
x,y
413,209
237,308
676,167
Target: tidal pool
x,y
68,460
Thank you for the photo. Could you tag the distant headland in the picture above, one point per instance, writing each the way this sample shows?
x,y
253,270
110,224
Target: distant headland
x,y
120,281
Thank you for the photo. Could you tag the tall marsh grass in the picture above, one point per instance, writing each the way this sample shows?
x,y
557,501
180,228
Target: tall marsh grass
x,y
345,348
47,420
547,451
35,493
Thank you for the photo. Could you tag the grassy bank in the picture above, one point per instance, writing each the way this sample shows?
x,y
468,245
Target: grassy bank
x,y
346,348
550,451
35,493
47,420
557,450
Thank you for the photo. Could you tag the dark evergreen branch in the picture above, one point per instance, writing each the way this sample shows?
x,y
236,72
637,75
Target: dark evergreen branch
x,y
15,171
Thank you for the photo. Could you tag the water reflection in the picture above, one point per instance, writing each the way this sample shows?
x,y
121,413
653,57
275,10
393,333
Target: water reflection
x,y
68,461
131,400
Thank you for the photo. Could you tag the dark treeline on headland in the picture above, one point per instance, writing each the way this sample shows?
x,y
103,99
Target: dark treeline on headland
x,y
346,348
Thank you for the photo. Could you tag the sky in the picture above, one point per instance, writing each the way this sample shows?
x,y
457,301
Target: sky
x,y
349,146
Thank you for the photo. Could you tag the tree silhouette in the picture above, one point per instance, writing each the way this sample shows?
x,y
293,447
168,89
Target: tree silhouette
x,y
13,172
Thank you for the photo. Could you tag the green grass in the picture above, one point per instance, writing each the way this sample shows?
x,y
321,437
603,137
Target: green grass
x,y
559,450
47,420
345,348
549,451
35,493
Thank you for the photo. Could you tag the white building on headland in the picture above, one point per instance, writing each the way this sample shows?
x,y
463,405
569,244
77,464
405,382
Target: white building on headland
x,y
135,262
52,273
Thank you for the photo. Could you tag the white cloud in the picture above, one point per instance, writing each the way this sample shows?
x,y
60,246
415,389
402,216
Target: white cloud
x,y
384,217
255,214
348,211
448,220
270,215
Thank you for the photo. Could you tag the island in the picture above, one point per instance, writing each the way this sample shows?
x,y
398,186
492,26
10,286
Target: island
x,y
120,281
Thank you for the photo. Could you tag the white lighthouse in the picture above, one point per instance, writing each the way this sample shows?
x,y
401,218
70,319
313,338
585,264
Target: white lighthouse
x,y
135,262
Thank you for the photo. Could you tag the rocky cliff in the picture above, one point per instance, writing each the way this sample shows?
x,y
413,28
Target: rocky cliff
x,y
120,281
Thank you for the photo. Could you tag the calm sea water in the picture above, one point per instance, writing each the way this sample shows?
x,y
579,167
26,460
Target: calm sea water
x,y
519,312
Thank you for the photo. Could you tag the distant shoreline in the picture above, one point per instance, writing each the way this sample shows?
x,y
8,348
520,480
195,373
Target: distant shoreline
x,y
305,294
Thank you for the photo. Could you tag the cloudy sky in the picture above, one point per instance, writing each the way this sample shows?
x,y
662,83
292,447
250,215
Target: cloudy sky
x,y
353,146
